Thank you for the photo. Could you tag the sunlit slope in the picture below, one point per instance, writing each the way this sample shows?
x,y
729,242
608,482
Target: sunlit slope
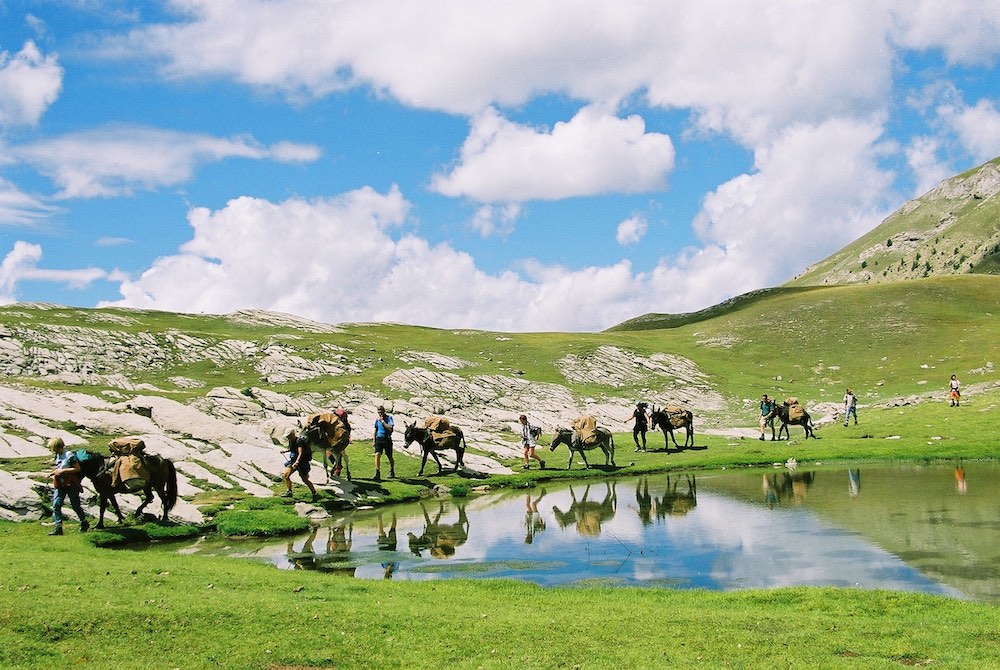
x,y
952,229
883,339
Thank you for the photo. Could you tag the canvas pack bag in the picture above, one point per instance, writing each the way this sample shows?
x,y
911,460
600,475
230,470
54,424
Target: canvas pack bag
x,y
126,446
336,431
586,427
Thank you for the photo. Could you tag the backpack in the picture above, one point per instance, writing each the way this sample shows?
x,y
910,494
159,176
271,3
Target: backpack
x,y
536,431
85,456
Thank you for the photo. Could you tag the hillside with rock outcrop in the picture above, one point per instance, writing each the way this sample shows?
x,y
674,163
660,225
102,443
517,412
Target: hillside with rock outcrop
x,y
952,229
215,393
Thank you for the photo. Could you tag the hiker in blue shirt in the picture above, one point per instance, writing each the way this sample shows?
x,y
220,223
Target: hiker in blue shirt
x,y
65,483
383,443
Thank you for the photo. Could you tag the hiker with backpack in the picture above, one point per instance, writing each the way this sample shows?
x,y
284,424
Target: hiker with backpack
x,y
65,483
528,435
767,414
954,392
298,458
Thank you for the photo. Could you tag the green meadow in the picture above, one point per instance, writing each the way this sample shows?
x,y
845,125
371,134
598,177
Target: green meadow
x,y
66,603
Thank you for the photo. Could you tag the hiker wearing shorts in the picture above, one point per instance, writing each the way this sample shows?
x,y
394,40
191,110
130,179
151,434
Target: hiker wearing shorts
x,y
954,394
528,443
383,443
298,458
767,407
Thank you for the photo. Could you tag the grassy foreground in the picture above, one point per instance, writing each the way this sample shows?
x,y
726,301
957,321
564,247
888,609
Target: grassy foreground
x,y
65,603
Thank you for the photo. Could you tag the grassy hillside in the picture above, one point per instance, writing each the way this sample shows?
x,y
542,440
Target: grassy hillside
x,y
886,340
952,229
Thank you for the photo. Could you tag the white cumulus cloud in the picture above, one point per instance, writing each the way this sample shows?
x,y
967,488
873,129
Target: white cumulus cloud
x,y
29,84
593,153
631,230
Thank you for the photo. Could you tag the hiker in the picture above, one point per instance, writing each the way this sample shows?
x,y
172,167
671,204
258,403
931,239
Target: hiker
x,y
767,407
383,443
954,395
850,407
641,417
298,458
528,443
65,483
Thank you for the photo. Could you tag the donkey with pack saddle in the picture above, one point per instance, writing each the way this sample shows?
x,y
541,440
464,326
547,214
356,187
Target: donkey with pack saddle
x,y
670,417
437,434
129,470
584,436
792,413
331,432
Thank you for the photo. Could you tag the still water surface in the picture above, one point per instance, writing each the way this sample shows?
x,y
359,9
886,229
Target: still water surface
x,y
933,529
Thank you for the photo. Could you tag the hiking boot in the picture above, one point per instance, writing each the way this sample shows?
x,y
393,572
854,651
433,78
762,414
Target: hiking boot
x,y
56,531
541,464
378,476
527,466
286,494
761,438
84,526
315,497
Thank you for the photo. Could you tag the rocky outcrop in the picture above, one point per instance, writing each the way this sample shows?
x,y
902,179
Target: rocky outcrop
x,y
227,438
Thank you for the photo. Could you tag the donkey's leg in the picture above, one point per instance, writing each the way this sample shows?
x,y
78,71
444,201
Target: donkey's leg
x,y
147,498
114,505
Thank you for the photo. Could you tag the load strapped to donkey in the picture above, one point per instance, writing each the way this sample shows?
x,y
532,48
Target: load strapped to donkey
x,y
129,469
585,435
331,431
437,434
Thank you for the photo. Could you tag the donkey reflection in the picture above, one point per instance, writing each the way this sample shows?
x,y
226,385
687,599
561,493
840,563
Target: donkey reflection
x,y
441,539
588,515
671,503
677,504
778,488
336,558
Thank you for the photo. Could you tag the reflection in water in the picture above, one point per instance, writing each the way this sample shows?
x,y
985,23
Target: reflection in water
x,y
960,483
533,521
853,482
440,538
386,541
917,527
677,504
588,515
671,503
336,558
791,485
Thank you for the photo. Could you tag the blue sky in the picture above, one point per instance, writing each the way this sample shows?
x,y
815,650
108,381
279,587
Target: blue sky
x,y
513,166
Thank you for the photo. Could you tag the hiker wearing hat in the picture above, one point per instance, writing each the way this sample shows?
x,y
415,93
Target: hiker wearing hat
x,y
383,442
641,417
65,483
